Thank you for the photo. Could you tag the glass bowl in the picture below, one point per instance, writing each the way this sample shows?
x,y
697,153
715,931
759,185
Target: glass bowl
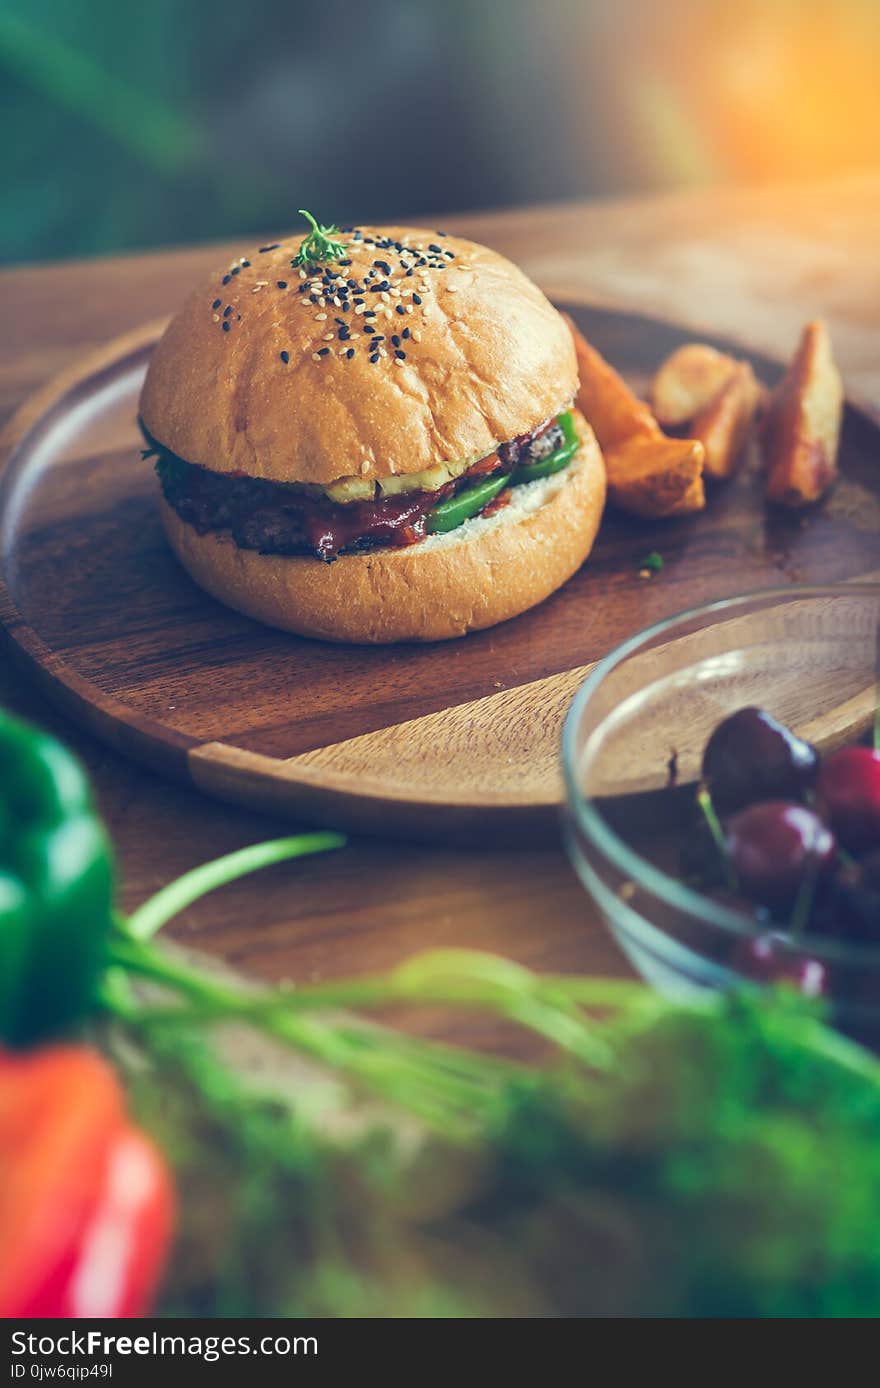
x,y
632,747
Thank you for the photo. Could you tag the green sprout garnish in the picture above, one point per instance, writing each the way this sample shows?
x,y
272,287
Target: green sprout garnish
x,y
319,244
653,562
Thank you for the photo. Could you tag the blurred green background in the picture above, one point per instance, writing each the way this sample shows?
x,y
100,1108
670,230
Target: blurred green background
x,y
182,120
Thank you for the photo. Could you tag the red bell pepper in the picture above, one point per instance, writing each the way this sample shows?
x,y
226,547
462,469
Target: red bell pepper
x,y
86,1202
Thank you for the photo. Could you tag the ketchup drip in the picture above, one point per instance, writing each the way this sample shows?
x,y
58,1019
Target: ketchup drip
x,y
395,520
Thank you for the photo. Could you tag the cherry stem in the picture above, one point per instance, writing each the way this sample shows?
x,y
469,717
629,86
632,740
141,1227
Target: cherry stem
x,y
803,903
704,800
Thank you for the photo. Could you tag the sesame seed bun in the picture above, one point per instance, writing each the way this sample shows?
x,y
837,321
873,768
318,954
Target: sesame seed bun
x,y
489,569
487,358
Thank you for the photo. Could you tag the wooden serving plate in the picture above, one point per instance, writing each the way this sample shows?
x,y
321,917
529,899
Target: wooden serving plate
x,y
458,739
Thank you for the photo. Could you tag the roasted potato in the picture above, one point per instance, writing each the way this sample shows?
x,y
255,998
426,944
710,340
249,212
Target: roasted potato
x,y
801,431
648,474
722,425
687,381
604,397
656,477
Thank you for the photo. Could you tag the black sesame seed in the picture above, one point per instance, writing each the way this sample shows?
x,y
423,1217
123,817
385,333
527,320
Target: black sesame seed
x,y
374,357
282,284
285,357
245,264
436,249
216,303
235,269
226,327
401,309
417,298
396,340
350,353
401,356
227,310
226,279
370,312
323,351
408,273
273,247
406,332
450,255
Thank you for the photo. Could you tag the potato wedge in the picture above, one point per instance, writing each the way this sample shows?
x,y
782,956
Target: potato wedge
x,y
656,477
687,381
648,474
604,397
722,425
801,431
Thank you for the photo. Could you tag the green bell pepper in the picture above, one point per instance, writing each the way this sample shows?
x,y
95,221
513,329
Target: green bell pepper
x,y
56,887
449,515
555,462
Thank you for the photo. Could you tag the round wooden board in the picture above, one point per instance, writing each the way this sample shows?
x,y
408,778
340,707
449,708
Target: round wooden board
x,y
454,740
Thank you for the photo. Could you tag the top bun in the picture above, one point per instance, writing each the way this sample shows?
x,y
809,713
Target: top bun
x,y
487,358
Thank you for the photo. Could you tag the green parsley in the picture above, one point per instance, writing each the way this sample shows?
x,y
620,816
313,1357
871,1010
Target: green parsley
x,y
653,562
319,244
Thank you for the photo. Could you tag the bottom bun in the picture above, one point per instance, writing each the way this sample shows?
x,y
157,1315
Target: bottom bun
x,y
489,569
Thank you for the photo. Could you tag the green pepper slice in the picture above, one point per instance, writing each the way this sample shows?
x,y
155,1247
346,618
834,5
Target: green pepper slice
x,y
56,887
555,462
450,514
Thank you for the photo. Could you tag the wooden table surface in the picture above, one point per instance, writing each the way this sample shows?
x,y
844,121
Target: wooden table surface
x,y
753,263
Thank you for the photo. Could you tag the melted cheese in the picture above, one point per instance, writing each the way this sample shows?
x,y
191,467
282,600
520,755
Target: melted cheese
x,y
430,480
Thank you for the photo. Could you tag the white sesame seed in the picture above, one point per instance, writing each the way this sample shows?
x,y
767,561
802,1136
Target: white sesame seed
x,y
408,308
216,317
452,289
416,336
322,301
320,318
360,308
302,274
397,361
365,467
385,297
315,356
328,337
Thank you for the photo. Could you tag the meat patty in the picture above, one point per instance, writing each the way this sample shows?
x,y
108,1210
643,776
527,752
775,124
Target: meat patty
x,y
285,518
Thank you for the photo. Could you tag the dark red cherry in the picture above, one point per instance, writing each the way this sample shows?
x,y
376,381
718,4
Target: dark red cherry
x,y
774,847
856,898
752,757
849,788
769,959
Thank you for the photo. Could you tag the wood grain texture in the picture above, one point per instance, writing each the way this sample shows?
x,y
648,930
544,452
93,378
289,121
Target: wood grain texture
x,y
753,263
413,740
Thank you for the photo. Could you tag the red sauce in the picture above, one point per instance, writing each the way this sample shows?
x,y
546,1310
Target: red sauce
x,y
395,520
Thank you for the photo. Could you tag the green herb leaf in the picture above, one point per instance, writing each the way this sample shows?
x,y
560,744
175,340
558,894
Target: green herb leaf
x,y
653,562
319,244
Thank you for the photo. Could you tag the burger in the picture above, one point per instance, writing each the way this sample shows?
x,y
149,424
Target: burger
x,y
368,435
